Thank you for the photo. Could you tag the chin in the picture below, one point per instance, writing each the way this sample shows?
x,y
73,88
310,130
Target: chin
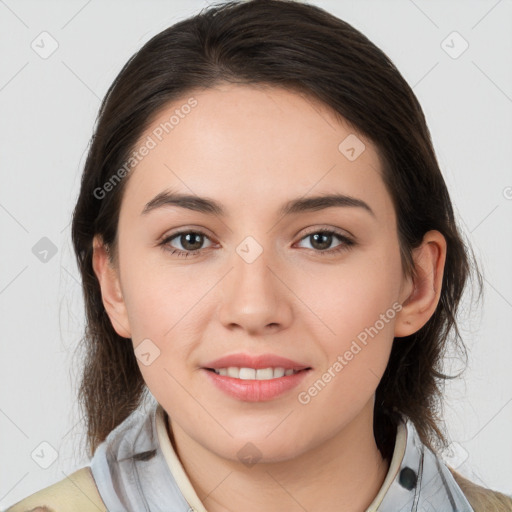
x,y
259,449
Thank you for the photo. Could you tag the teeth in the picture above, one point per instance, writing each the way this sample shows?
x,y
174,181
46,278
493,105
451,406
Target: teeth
x,y
279,372
253,374
247,373
233,372
262,374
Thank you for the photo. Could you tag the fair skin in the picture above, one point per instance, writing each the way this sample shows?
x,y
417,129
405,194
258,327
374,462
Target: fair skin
x,y
252,149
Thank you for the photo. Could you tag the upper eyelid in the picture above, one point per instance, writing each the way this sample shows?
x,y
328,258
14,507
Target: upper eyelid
x,y
169,236
343,238
336,231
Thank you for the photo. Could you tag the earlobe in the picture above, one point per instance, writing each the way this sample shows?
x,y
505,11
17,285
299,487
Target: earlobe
x,y
425,286
111,293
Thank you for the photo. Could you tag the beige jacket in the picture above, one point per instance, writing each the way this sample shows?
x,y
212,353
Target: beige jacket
x,y
76,493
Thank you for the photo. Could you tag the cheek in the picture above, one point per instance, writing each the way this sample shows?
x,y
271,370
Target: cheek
x,y
356,352
352,296
166,316
161,299
357,305
164,324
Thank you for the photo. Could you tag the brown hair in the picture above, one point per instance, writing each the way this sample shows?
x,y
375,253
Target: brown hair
x,y
302,48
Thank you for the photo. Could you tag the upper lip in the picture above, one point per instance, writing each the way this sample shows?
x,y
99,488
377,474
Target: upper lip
x,y
256,362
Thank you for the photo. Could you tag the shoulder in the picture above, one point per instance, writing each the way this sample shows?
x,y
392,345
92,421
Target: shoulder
x,y
77,491
481,498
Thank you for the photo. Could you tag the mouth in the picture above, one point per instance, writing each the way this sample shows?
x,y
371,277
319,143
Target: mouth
x,y
255,378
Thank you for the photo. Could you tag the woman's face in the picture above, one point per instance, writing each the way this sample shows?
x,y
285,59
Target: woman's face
x,y
254,278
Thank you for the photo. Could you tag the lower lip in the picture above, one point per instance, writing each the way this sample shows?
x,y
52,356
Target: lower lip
x,y
256,390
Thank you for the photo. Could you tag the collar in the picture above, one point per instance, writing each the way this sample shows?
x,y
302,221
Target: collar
x,y
137,469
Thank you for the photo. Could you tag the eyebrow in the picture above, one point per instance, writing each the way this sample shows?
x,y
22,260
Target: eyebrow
x,y
294,206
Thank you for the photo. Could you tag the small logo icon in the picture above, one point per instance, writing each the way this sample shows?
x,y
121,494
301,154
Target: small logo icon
x,y
454,45
455,455
249,455
44,455
44,250
249,250
146,352
351,147
44,45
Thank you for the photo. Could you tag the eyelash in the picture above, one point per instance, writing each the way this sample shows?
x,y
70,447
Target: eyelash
x,y
346,244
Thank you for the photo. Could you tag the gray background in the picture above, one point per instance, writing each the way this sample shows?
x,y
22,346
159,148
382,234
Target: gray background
x,y
48,107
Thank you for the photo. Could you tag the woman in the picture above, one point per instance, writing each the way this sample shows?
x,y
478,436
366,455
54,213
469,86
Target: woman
x,y
268,247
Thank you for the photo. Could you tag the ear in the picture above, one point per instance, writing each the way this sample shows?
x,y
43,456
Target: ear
x,y
424,288
111,293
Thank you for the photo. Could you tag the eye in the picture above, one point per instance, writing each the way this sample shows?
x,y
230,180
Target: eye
x,y
322,239
191,243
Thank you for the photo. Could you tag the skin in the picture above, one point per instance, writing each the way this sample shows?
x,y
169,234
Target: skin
x,y
252,148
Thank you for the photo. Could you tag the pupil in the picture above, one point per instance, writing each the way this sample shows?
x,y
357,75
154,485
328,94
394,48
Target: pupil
x,y
189,241
327,239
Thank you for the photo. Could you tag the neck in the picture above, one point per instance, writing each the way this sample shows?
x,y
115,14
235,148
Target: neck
x,y
344,473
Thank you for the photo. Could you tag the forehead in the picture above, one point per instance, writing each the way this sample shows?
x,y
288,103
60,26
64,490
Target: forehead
x,y
250,146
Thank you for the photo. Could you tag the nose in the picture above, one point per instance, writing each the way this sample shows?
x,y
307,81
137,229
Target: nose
x,y
255,298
